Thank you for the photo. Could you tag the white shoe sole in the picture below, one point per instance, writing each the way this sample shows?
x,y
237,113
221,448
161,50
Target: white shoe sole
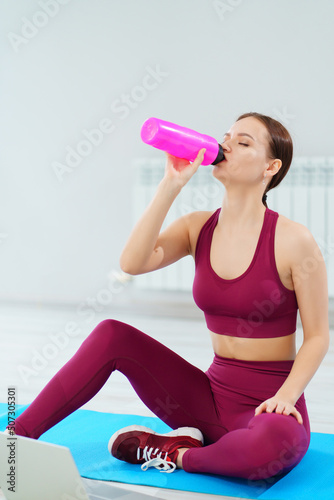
x,y
182,431
6,431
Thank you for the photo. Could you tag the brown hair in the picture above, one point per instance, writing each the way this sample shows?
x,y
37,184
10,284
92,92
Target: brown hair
x,y
280,147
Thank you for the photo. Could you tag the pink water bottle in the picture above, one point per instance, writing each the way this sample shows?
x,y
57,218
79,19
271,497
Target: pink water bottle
x,y
180,141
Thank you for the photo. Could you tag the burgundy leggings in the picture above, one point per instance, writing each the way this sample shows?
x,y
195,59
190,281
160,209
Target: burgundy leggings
x,y
220,402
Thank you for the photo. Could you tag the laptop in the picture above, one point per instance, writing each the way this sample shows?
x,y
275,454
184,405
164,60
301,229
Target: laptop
x,y
34,470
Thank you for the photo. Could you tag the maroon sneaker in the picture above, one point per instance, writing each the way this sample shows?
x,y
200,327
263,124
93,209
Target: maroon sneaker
x,y
140,445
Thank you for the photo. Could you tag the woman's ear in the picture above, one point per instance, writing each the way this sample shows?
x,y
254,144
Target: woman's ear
x,y
273,167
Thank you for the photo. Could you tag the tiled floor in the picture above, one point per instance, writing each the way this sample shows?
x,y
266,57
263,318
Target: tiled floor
x,y
33,349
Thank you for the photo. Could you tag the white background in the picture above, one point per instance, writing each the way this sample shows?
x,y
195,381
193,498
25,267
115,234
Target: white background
x,y
59,240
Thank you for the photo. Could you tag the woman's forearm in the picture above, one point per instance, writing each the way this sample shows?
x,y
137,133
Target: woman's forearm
x,y
143,238
140,249
307,361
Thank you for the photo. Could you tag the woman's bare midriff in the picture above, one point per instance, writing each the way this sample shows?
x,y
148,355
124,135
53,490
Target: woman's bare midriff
x,y
272,349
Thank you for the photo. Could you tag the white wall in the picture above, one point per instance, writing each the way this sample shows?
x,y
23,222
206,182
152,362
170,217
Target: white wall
x,y
212,60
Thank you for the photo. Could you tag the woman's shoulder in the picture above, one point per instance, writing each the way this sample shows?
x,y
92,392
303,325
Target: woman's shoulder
x,y
294,235
196,221
200,216
292,227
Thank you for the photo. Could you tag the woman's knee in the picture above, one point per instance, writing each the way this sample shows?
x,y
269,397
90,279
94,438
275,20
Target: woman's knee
x,y
109,333
282,439
109,326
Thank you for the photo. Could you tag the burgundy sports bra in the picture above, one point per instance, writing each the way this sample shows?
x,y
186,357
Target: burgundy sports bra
x,y
254,305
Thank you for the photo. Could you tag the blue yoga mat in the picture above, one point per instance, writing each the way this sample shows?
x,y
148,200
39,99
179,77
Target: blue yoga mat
x,y
86,434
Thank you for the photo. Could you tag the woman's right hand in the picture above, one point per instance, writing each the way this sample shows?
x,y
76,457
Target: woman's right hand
x,y
180,170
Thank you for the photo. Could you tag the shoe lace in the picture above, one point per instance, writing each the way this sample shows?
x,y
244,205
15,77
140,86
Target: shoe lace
x,y
157,461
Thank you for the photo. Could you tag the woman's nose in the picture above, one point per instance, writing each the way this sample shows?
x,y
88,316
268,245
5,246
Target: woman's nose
x,y
226,147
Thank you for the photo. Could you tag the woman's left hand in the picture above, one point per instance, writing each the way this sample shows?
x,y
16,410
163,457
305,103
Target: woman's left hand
x,y
280,406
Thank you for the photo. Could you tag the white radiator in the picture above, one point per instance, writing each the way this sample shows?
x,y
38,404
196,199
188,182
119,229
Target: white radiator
x,y
306,195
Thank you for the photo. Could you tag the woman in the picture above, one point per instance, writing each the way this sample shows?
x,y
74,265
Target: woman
x,y
248,409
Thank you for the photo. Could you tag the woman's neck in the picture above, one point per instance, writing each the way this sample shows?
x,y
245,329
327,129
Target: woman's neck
x,y
240,210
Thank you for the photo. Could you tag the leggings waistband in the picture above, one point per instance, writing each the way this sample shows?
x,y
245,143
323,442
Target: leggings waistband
x,y
250,381
280,365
